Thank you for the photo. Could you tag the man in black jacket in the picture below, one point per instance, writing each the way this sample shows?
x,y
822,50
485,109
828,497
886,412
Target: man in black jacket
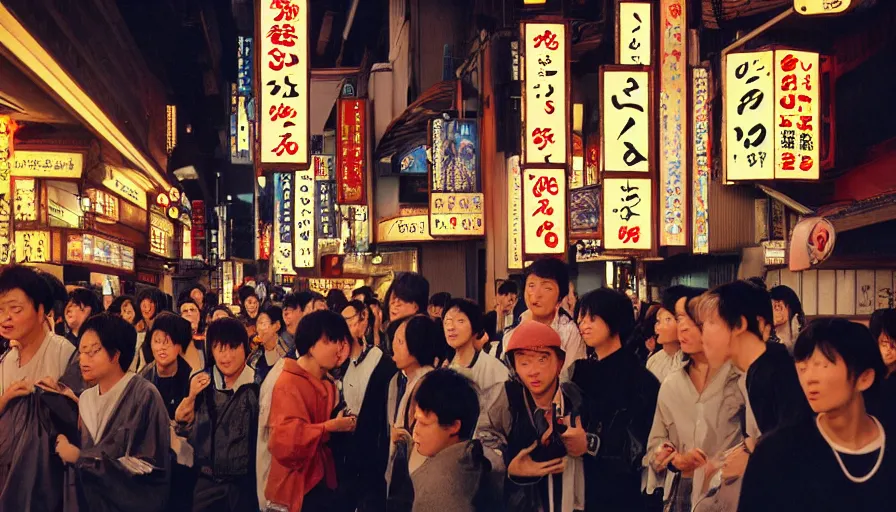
x,y
622,394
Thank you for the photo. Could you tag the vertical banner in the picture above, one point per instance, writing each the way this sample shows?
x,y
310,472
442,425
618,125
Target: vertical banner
x,y
242,104
351,151
797,119
625,119
545,102
283,87
673,122
324,167
701,159
355,231
628,214
634,44
514,214
7,129
304,235
544,211
749,116
197,235
455,190
325,195
283,223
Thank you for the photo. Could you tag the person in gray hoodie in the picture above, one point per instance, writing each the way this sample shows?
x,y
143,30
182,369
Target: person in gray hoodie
x,y
455,474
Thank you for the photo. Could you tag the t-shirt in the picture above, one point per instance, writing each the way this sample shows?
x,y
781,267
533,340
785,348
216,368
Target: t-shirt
x,y
775,395
50,360
662,364
795,470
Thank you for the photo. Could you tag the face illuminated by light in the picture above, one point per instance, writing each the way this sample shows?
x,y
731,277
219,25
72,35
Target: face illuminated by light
x,y
430,437
542,298
827,384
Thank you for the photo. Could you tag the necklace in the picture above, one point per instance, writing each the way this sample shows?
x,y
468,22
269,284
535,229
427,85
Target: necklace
x,y
880,455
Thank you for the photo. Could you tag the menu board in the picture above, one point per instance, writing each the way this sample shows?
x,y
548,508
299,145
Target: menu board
x,y
98,250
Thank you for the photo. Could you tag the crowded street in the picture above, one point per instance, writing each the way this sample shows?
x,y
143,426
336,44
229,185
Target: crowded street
x,y
430,256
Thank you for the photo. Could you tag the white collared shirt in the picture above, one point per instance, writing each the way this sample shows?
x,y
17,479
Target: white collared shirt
x,y
357,376
50,360
662,364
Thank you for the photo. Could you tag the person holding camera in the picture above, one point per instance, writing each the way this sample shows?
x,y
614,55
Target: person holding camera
x,y
533,431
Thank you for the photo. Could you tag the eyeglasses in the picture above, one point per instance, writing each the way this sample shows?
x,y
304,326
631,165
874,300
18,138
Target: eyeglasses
x,y
90,353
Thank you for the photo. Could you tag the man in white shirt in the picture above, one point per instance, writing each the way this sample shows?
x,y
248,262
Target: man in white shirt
x,y
35,353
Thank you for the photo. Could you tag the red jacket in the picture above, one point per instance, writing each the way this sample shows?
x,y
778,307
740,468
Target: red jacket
x,y
300,457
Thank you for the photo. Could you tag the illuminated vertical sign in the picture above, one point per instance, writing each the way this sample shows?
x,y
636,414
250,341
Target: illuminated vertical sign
x,y
545,108
515,214
673,122
701,160
7,129
25,202
544,210
304,237
242,105
351,151
283,223
325,195
797,119
628,214
283,85
171,128
633,33
197,234
355,230
455,200
625,119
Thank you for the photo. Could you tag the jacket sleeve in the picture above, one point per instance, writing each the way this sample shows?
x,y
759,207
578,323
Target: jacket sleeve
x,y
493,427
293,438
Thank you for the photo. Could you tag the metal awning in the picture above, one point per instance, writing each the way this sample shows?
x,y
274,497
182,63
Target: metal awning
x,y
785,200
846,216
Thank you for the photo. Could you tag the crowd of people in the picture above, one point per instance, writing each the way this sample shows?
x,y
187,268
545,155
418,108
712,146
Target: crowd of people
x,y
710,400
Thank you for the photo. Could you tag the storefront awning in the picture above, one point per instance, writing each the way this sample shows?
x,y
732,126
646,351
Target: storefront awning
x,y
785,200
409,129
846,216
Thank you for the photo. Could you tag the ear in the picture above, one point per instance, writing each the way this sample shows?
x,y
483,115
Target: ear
x,y
865,380
454,428
741,326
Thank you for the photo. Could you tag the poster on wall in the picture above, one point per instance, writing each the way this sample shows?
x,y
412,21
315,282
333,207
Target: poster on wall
x,y
455,200
304,234
701,160
628,214
545,102
625,119
584,213
351,151
25,199
355,230
544,210
673,122
282,90
32,246
283,223
324,167
514,214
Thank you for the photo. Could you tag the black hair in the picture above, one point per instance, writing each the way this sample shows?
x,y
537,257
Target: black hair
x,y
244,292
178,328
87,299
197,286
425,339
408,287
116,336
554,269
30,282
201,327
840,337
314,326
367,292
673,294
758,281
359,307
508,287
613,307
229,332
451,397
883,321
645,328
471,310
155,296
292,301
789,297
744,299
336,300
440,299
274,314
57,293
223,308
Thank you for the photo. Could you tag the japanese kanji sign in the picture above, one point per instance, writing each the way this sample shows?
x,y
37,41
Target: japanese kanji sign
x,y
351,151
7,128
304,236
32,246
626,119
282,88
544,210
514,214
455,200
749,110
284,199
545,135
701,155
48,164
816,7
673,121
325,194
198,237
633,33
772,108
628,214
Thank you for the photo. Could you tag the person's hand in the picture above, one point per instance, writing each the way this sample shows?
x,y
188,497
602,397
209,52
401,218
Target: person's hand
x,y
341,423
67,452
523,466
574,438
664,455
18,388
198,383
400,434
689,461
735,464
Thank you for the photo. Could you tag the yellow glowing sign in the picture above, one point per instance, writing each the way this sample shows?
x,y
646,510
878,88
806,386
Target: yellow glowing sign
x,y
626,120
749,116
7,244
412,228
457,214
282,89
544,211
797,115
821,7
25,200
515,214
634,33
628,214
544,100
125,187
171,139
304,233
32,246
47,164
